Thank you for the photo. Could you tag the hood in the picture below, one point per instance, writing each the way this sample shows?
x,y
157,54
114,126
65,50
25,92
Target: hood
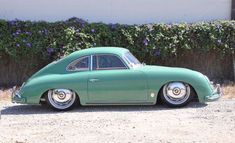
x,y
169,72
150,68
161,73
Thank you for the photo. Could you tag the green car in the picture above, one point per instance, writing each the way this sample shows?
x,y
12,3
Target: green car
x,y
113,76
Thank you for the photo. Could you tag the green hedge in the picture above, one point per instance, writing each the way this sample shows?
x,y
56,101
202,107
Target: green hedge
x,y
147,41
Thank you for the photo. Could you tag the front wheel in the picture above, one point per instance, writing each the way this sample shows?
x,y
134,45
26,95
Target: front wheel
x,y
61,99
176,94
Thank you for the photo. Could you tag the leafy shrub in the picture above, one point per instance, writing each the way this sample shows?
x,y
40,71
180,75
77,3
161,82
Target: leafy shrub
x,y
147,41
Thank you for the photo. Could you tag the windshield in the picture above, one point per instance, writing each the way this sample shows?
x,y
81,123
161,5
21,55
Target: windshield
x,y
132,61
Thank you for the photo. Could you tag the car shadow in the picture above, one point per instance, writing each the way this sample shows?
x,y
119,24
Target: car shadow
x,y
43,109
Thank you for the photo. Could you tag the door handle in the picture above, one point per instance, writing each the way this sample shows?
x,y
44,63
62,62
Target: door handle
x,y
93,80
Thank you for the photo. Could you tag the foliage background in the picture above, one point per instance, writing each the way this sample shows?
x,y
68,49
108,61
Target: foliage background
x,y
26,46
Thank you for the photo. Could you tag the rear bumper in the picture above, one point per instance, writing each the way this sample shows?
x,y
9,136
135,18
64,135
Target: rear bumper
x,y
16,97
217,93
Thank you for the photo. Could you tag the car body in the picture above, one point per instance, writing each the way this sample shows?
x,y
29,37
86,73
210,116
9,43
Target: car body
x,y
112,76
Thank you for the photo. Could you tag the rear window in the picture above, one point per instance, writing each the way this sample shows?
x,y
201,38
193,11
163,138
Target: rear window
x,y
81,64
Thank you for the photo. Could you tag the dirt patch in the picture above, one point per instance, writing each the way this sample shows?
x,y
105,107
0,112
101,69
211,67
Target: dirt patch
x,y
5,94
228,91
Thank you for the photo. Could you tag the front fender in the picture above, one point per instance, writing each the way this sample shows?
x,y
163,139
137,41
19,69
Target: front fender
x,y
159,76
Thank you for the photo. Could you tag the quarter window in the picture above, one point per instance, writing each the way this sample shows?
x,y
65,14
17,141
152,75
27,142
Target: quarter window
x,y
106,62
81,64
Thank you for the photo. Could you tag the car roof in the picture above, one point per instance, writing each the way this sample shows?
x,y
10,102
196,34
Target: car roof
x,y
100,50
91,51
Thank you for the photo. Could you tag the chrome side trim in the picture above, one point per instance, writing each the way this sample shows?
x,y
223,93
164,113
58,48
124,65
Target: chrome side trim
x,y
120,103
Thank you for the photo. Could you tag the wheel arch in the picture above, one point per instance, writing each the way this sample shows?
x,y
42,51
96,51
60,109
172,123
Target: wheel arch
x,y
158,98
42,98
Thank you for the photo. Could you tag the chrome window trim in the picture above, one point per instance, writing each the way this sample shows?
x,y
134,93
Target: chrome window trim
x,y
80,58
91,62
115,68
128,61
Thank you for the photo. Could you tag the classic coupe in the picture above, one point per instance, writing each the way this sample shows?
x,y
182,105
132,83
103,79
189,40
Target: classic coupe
x,y
113,76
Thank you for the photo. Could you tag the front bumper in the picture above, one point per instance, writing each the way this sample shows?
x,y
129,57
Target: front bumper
x,y
16,97
217,93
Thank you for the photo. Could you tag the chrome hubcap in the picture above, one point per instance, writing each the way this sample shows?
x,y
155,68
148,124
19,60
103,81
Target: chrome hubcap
x,y
61,98
176,92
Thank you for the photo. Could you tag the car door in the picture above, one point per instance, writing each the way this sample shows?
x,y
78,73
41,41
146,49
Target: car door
x,y
111,81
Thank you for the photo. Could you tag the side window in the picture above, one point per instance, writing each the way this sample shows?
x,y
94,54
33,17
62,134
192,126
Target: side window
x,y
106,62
81,64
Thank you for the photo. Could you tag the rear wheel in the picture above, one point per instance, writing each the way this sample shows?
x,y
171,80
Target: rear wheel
x,y
176,94
61,99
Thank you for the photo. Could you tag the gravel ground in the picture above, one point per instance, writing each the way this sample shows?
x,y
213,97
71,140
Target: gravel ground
x,y
212,122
